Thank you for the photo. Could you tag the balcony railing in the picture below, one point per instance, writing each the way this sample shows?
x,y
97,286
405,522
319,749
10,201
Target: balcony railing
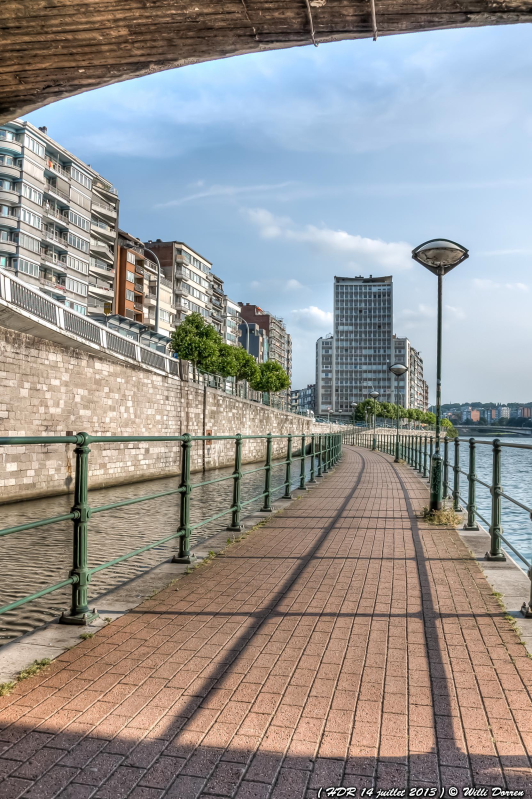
x,y
58,168
50,187
107,206
50,211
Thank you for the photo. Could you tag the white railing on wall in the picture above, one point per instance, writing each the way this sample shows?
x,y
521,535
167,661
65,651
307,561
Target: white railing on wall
x,y
20,295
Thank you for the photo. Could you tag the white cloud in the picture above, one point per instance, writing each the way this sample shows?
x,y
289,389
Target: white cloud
x,y
457,313
277,285
220,190
419,313
394,255
490,285
313,318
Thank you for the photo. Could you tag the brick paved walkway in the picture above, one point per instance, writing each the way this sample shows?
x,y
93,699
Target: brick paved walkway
x,y
343,644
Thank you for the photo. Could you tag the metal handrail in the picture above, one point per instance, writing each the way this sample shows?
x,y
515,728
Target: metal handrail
x,y
411,449
322,449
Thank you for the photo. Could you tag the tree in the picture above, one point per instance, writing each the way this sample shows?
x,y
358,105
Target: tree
x,y
227,364
246,366
449,428
271,378
198,342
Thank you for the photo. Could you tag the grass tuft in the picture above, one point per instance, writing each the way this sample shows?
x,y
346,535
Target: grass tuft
x,y
36,667
86,636
446,516
6,688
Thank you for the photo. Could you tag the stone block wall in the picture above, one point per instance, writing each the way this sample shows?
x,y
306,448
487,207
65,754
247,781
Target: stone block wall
x,y
50,389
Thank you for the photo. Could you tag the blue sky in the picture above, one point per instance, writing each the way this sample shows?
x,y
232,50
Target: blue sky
x,y
290,167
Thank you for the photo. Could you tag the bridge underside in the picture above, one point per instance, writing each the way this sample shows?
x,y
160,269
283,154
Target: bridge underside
x,y
53,49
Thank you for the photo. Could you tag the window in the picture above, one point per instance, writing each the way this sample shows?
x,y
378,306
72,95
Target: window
x,y
131,257
7,135
78,264
4,261
8,160
79,220
29,218
80,199
5,235
130,295
6,184
6,210
29,242
32,194
130,276
85,180
76,286
30,268
165,316
78,243
33,145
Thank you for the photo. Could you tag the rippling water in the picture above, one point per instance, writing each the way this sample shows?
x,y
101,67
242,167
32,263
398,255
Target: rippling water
x,y
516,482
34,559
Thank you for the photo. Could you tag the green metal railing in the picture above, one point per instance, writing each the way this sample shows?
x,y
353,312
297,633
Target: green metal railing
x,y
321,450
416,451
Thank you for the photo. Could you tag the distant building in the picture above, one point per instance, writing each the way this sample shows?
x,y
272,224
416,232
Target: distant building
x,y
254,340
411,387
527,412
475,415
324,374
502,411
303,399
279,340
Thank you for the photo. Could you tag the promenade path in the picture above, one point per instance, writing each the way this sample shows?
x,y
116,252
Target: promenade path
x,y
345,643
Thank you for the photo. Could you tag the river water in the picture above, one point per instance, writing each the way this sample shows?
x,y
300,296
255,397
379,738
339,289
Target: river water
x,y
35,559
516,482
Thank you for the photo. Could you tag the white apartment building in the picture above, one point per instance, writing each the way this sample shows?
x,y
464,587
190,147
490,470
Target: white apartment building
x,y
233,319
324,375
363,314
58,219
411,387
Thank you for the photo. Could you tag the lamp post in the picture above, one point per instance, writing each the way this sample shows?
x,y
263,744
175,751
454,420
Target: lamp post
x,y
374,395
354,407
397,369
439,256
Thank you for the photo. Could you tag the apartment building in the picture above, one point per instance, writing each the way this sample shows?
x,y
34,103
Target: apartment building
x,y
303,400
412,387
254,340
192,281
58,219
279,341
232,321
363,313
324,391
136,286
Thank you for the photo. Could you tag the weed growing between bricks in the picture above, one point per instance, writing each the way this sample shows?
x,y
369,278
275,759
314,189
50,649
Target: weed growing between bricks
x,y
36,667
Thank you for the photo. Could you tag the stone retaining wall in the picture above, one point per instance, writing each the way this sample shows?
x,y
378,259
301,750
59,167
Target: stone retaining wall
x,y
50,389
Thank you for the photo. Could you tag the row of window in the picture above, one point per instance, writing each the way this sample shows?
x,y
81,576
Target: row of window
x,y
191,259
79,220
80,177
196,278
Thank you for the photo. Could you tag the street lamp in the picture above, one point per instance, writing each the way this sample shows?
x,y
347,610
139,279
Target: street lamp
x,y
397,369
374,394
439,256
354,406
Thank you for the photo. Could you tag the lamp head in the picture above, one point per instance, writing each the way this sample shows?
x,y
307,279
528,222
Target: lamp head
x,y
440,255
374,394
398,369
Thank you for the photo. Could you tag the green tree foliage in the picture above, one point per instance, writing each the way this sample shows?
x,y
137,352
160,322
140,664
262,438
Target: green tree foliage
x,y
246,367
447,427
271,378
198,342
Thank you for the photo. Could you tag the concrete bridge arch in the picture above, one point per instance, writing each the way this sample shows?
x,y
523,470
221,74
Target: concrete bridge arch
x,y
52,49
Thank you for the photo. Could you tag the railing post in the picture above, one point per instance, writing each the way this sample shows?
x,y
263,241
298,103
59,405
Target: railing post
x,y
456,483
445,468
471,523
312,458
184,555
431,452
288,472
235,525
302,473
326,459
496,552
79,610
267,507
320,454
425,457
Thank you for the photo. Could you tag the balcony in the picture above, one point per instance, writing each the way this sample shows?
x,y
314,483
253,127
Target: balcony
x,y
100,206
55,167
51,284
8,221
101,229
51,189
60,241
49,210
10,171
8,247
102,269
100,291
7,145
9,196
102,249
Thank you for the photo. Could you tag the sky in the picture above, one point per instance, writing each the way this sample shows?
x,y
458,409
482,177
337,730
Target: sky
x,y
287,168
